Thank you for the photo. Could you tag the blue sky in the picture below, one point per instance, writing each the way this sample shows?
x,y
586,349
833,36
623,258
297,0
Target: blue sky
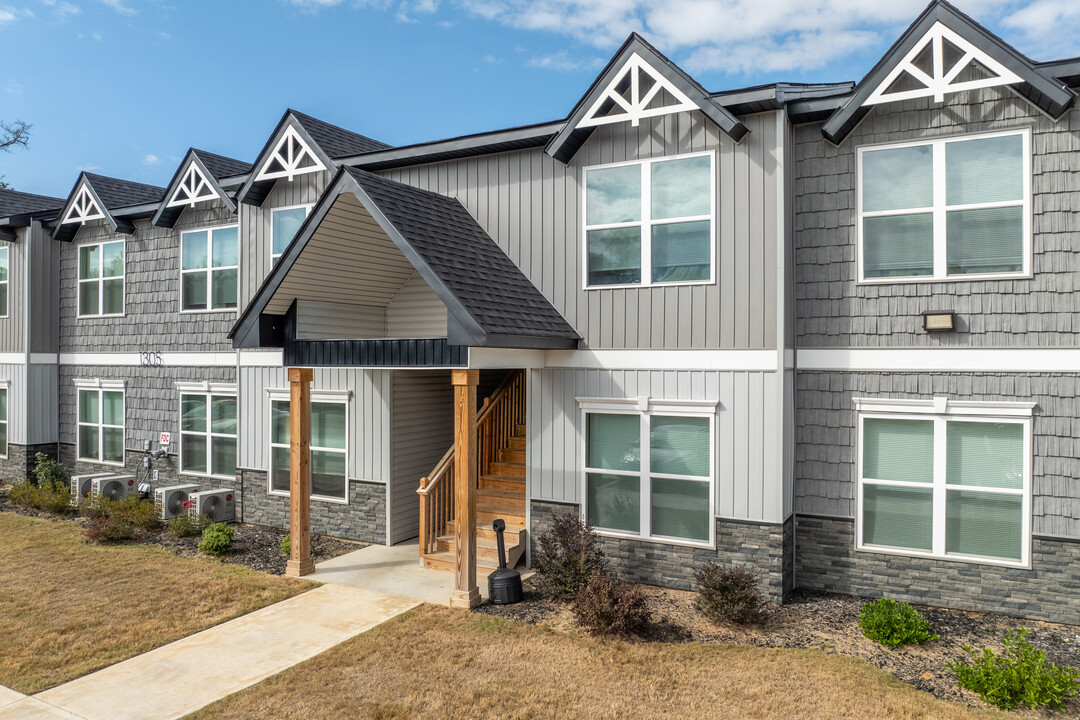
x,y
124,87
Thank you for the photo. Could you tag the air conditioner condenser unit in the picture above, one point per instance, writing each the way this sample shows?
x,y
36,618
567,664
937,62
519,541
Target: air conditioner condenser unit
x,y
218,505
113,487
82,486
169,500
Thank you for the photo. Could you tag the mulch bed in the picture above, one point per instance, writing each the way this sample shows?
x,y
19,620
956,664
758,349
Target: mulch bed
x,y
255,546
829,623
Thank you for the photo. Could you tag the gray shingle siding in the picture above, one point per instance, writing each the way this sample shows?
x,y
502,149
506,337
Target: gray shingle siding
x,y
825,462
832,310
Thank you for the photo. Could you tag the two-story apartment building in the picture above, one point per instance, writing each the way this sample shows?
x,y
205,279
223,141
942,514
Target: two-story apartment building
x,y
826,329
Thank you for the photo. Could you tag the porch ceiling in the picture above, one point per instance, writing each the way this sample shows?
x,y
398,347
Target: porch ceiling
x,y
349,259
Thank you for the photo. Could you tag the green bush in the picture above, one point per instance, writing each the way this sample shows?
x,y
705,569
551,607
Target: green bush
x,y
184,525
893,623
1021,675
216,539
52,498
138,511
729,593
286,545
568,554
109,528
48,472
606,606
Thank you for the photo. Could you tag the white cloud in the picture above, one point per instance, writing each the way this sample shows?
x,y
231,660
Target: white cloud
x,y
120,7
61,11
87,168
1050,28
13,88
562,62
97,36
151,160
9,14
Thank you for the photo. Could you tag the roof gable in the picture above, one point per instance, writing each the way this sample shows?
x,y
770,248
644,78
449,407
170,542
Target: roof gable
x,y
193,183
944,52
638,83
94,197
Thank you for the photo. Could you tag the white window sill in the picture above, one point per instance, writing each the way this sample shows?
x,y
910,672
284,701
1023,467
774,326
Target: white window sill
x,y
650,286
234,311
95,461
319,498
657,539
944,558
923,279
101,317
206,476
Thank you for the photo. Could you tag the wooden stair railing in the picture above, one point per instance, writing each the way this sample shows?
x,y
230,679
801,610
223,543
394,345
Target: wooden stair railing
x,y
497,420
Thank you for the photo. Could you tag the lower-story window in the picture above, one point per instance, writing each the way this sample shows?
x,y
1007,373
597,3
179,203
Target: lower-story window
x,y
101,425
650,474
953,481
208,434
328,449
3,421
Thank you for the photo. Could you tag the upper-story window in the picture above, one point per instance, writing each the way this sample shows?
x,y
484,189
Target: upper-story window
x,y
285,222
208,269
650,222
101,279
3,282
950,209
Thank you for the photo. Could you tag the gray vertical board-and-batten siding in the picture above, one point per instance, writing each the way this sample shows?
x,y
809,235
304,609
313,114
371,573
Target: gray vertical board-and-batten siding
x,y
826,462
13,327
749,484
368,416
531,205
422,430
833,310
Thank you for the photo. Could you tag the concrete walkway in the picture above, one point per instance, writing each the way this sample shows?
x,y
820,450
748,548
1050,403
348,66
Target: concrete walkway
x,y
182,677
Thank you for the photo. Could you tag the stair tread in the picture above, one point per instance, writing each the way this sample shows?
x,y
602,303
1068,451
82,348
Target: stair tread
x,y
447,556
501,493
484,542
495,476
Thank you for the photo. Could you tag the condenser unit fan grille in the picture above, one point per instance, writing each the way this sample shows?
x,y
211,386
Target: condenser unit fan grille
x,y
114,489
213,507
174,501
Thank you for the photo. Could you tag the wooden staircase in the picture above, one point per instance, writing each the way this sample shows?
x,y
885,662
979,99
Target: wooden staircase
x,y
500,492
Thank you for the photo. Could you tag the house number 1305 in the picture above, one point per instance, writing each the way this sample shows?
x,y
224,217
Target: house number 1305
x,y
152,359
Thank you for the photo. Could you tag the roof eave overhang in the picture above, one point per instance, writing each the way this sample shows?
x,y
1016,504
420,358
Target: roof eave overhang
x,y
254,192
1049,95
119,224
165,216
570,138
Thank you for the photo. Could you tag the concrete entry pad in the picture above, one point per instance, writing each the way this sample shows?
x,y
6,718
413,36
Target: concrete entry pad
x,y
8,696
29,708
395,570
182,677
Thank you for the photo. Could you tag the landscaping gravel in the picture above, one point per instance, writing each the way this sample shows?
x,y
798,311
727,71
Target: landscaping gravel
x,y
829,623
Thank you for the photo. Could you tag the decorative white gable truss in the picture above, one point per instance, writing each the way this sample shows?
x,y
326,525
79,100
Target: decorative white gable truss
x,y
291,157
83,208
941,63
637,91
193,188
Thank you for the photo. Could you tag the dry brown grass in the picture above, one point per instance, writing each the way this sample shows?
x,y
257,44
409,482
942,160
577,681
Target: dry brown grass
x,y
439,663
68,608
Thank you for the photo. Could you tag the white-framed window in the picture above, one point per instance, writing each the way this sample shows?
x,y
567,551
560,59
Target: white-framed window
x,y
945,479
284,222
101,421
101,279
649,473
650,222
329,445
209,269
3,419
953,208
4,282
208,425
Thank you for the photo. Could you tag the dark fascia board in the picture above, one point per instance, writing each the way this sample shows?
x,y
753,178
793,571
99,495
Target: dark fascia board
x,y
1055,98
1067,71
66,232
166,216
254,193
7,234
24,219
529,135
565,144
463,326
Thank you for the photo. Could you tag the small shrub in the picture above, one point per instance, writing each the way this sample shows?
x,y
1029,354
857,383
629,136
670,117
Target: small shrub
x,y
48,472
216,539
109,529
729,593
1020,675
893,623
184,525
568,554
606,606
138,511
286,545
52,498
23,493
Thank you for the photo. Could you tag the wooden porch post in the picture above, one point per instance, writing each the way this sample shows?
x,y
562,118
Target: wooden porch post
x,y
300,562
466,594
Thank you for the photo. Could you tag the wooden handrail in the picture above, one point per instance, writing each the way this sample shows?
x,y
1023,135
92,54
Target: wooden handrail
x,y
496,421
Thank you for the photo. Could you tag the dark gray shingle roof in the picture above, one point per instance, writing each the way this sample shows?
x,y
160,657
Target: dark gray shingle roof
x,y
13,202
220,166
117,193
337,142
489,286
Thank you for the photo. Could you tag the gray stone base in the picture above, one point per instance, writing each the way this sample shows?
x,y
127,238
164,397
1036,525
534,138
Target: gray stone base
x,y
20,459
363,518
769,547
167,468
827,560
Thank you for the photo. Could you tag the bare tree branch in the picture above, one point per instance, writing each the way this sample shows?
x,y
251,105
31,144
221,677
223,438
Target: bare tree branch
x,y
14,134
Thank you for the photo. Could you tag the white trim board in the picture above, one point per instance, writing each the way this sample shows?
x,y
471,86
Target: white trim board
x,y
188,359
751,360
1016,360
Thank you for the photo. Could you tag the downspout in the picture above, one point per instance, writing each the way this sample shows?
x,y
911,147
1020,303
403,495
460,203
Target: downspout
x,y
26,340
